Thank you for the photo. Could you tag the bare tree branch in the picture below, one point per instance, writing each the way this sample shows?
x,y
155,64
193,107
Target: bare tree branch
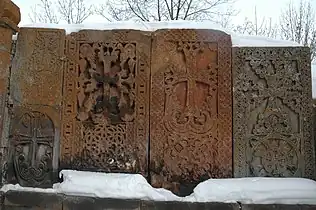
x,y
297,23
71,11
164,10
43,12
262,28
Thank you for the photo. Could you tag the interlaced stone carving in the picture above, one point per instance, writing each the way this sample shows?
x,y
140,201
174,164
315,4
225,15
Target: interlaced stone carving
x,y
105,149
190,108
33,138
34,104
107,82
105,117
272,112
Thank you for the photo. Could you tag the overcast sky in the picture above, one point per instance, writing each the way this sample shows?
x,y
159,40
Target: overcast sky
x,y
265,8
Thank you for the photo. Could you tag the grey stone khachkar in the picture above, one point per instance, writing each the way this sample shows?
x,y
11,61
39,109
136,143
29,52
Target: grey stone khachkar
x,y
272,112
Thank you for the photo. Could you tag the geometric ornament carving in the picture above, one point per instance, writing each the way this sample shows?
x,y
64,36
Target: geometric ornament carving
x,y
35,96
105,113
32,137
190,132
272,112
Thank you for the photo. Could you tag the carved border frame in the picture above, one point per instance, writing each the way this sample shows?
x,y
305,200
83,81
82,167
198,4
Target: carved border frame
x,y
53,114
70,143
162,37
302,56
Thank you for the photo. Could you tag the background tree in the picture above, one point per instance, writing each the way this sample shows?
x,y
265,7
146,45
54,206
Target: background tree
x,y
43,13
55,11
164,10
297,23
265,27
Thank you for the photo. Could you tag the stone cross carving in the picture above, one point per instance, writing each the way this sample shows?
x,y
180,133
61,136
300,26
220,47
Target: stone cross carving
x,y
34,140
33,137
190,115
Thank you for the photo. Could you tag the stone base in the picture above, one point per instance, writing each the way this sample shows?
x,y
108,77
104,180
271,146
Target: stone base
x,y
15,200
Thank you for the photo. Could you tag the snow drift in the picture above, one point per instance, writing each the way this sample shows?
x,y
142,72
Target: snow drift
x,y
135,186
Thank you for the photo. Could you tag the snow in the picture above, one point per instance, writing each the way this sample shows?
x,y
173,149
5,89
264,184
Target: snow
x,y
237,40
256,190
124,186
314,80
135,186
8,187
14,37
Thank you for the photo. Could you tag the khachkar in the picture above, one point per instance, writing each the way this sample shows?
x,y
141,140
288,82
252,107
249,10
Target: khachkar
x,y
36,93
273,112
190,108
106,101
9,19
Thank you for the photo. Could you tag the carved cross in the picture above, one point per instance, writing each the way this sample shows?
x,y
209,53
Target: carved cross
x,y
34,138
190,51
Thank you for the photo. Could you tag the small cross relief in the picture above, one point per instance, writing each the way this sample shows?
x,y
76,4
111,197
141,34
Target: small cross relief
x,y
33,137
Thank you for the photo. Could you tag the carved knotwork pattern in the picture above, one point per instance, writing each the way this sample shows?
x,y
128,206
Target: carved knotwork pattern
x,y
33,140
272,110
190,108
105,149
279,159
107,82
41,68
105,110
36,84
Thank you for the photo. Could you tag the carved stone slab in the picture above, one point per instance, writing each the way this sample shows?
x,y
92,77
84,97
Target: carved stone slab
x,y
38,67
190,107
273,112
106,101
34,147
5,45
36,93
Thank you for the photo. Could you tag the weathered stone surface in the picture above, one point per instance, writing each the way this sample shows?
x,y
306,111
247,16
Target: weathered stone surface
x,y
17,200
37,70
10,15
34,146
1,200
106,101
9,19
5,47
32,200
36,94
190,108
151,205
83,203
272,112
276,207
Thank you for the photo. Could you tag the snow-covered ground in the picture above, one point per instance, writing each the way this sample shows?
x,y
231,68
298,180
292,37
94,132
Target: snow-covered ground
x,y
237,40
134,186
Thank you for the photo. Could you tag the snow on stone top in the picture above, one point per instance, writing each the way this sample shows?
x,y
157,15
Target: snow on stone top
x,y
134,186
237,40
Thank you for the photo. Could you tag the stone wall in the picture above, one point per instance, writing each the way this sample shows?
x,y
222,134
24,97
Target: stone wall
x,y
14,200
177,106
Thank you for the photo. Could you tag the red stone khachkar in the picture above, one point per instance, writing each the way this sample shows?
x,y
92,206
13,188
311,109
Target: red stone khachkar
x,y
106,101
190,108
